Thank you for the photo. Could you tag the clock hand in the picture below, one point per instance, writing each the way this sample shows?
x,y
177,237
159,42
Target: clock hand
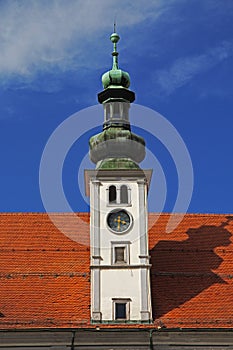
x,y
119,222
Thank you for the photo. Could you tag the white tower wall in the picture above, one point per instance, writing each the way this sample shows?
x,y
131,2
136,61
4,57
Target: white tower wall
x,y
114,282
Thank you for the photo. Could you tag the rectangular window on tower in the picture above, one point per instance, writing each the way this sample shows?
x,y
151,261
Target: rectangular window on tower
x,y
121,309
120,253
120,312
120,256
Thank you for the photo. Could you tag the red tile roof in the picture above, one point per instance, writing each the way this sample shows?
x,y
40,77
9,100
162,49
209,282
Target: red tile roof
x,y
45,276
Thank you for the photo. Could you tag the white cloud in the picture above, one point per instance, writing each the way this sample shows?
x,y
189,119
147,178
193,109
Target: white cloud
x,y
186,68
46,35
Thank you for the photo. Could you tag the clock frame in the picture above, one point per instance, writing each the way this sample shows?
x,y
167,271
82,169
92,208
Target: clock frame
x,y
119,221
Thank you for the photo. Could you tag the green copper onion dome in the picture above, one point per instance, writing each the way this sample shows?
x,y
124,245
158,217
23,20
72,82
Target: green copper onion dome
x,y
116,76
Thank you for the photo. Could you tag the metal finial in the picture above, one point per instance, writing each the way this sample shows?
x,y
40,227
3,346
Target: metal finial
x,y
114,39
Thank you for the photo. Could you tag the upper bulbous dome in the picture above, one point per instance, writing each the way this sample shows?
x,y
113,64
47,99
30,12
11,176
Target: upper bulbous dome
x,y
115,77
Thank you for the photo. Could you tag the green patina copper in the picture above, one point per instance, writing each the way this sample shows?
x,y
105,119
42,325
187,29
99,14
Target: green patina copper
x,y
114,39
116,76
114,133
117,163
118,143
116,147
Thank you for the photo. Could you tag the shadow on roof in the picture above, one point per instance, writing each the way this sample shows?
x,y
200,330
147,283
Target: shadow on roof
x,y
183,269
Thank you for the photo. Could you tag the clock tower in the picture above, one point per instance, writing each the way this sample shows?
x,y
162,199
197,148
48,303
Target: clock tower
x,y
118,187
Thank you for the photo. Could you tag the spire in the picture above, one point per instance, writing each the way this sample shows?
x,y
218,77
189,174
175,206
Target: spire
x,y
114,39
116,147
115,77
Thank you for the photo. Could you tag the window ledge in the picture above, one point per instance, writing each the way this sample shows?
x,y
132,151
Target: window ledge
x,y
119,205
121,266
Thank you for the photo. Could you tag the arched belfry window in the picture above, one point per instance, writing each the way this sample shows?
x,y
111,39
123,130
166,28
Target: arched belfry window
x,y
119,194
124,198
112,194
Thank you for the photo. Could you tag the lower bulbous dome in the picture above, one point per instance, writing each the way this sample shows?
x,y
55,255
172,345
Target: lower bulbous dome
x,y
117,143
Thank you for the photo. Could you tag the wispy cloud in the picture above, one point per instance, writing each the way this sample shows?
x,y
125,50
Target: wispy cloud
x,y
184,69
53,35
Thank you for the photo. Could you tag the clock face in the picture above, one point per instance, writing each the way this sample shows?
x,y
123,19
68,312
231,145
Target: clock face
x,y
119,221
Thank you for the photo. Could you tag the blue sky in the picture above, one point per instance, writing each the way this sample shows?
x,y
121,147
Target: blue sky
x,y
179,55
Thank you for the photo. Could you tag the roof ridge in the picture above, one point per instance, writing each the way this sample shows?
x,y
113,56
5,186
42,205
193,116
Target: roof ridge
x,y
43,213
88,213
